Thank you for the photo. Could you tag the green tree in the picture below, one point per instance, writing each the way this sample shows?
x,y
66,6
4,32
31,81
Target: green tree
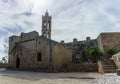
x,y
111,51
4,60
94,53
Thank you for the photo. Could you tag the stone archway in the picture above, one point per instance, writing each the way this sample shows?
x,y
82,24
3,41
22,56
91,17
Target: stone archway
x,y
18,62
17,53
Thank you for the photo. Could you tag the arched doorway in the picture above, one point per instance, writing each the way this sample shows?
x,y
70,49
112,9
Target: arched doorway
x,y
17,62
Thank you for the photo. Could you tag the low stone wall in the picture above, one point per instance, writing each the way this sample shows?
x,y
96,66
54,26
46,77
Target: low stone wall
x,y
3,65
118,72
116,59
84,67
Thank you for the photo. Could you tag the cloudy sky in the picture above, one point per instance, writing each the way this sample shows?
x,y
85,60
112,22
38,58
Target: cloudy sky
x,y
70,18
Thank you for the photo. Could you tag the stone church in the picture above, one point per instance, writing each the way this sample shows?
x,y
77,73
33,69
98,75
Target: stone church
x,y
34,52
31,51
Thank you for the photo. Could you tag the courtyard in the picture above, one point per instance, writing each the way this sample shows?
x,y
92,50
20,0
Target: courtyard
x,y
25,77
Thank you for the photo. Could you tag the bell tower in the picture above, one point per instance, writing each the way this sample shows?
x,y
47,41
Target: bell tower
x,y
46,25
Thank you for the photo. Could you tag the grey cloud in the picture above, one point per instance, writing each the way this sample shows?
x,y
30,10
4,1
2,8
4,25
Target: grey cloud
x,y
3,33
14,29
17,16
70,18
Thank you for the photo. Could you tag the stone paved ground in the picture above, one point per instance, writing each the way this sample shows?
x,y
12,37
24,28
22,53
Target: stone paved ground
x,y
21,77
109,78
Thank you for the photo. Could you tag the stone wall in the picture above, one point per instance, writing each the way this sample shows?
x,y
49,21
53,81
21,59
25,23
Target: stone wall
x,y
28,36
24,37
109,40
28,57
3,65
27,52
79,47
116,59
26,47
43,47
62,57
84,67
12,41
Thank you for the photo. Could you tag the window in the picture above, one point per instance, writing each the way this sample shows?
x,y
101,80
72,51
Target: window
x,y
92,44
39,42
78,44
48,25
39,57
44,24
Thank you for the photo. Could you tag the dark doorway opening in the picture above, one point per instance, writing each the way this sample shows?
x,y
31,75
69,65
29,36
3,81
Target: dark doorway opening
x,y
39,57
17,62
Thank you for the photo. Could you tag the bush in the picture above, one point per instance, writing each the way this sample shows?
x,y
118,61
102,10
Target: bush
x,y
94,53
111,52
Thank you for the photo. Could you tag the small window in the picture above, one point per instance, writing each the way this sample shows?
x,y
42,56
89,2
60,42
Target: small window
x,y
44,24
39,57
39,42
48,26
92,44
78,44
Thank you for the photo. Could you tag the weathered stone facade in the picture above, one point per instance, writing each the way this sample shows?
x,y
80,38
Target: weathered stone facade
x,y
78,49
116,59
104,41
31,51
109,40
24,52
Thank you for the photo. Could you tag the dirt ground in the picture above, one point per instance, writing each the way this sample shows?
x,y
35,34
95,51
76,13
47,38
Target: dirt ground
x,y
24,77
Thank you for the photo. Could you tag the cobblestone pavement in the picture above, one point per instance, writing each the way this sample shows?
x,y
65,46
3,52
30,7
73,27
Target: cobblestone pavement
x,y
109,78
24,77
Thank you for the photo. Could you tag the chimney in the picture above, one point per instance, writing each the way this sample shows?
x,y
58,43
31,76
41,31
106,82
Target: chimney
x,y
75,40
62,42
88,38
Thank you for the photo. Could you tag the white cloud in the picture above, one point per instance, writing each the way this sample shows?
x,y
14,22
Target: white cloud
x,y
70,18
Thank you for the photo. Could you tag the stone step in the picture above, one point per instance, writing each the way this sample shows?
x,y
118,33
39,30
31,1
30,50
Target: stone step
x,y
105,65
110,67
108,63
109,71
